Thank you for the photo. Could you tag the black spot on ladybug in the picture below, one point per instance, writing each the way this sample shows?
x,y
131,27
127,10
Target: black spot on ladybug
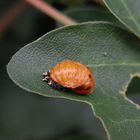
x,y
87,88
90,76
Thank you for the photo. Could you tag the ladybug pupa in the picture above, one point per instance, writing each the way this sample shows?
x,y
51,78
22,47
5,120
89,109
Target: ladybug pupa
x,y
70,75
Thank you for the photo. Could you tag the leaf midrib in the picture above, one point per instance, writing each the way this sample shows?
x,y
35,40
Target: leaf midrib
x,y
115,64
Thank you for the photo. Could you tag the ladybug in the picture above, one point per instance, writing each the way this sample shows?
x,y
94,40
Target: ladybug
x,y
73,75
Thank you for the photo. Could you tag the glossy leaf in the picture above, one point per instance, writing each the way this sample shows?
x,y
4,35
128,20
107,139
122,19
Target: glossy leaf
x,y
103,47
128,12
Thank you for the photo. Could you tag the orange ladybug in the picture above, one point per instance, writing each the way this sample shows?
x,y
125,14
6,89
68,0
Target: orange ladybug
x,y
71,75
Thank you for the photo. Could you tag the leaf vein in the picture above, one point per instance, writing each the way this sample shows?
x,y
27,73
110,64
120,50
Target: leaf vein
x,y
116,64
130,14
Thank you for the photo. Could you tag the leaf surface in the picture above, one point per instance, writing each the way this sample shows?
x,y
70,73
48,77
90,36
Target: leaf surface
x,y
114,57
84,14
127,11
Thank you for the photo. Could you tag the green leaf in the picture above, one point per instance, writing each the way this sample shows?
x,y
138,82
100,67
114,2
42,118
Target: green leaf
x,y
80,137
127,11
83,14
108,51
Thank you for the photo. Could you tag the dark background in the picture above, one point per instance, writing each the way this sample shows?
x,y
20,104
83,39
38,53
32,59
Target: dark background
x,y
26,116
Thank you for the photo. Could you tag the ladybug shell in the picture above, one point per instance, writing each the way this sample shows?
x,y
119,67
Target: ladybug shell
x,y
73,75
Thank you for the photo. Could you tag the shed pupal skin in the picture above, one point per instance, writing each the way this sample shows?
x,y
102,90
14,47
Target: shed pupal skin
x,y
50,81
71,75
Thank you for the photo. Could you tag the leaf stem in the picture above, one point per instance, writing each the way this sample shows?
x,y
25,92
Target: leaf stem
x,y
52,12
10,15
